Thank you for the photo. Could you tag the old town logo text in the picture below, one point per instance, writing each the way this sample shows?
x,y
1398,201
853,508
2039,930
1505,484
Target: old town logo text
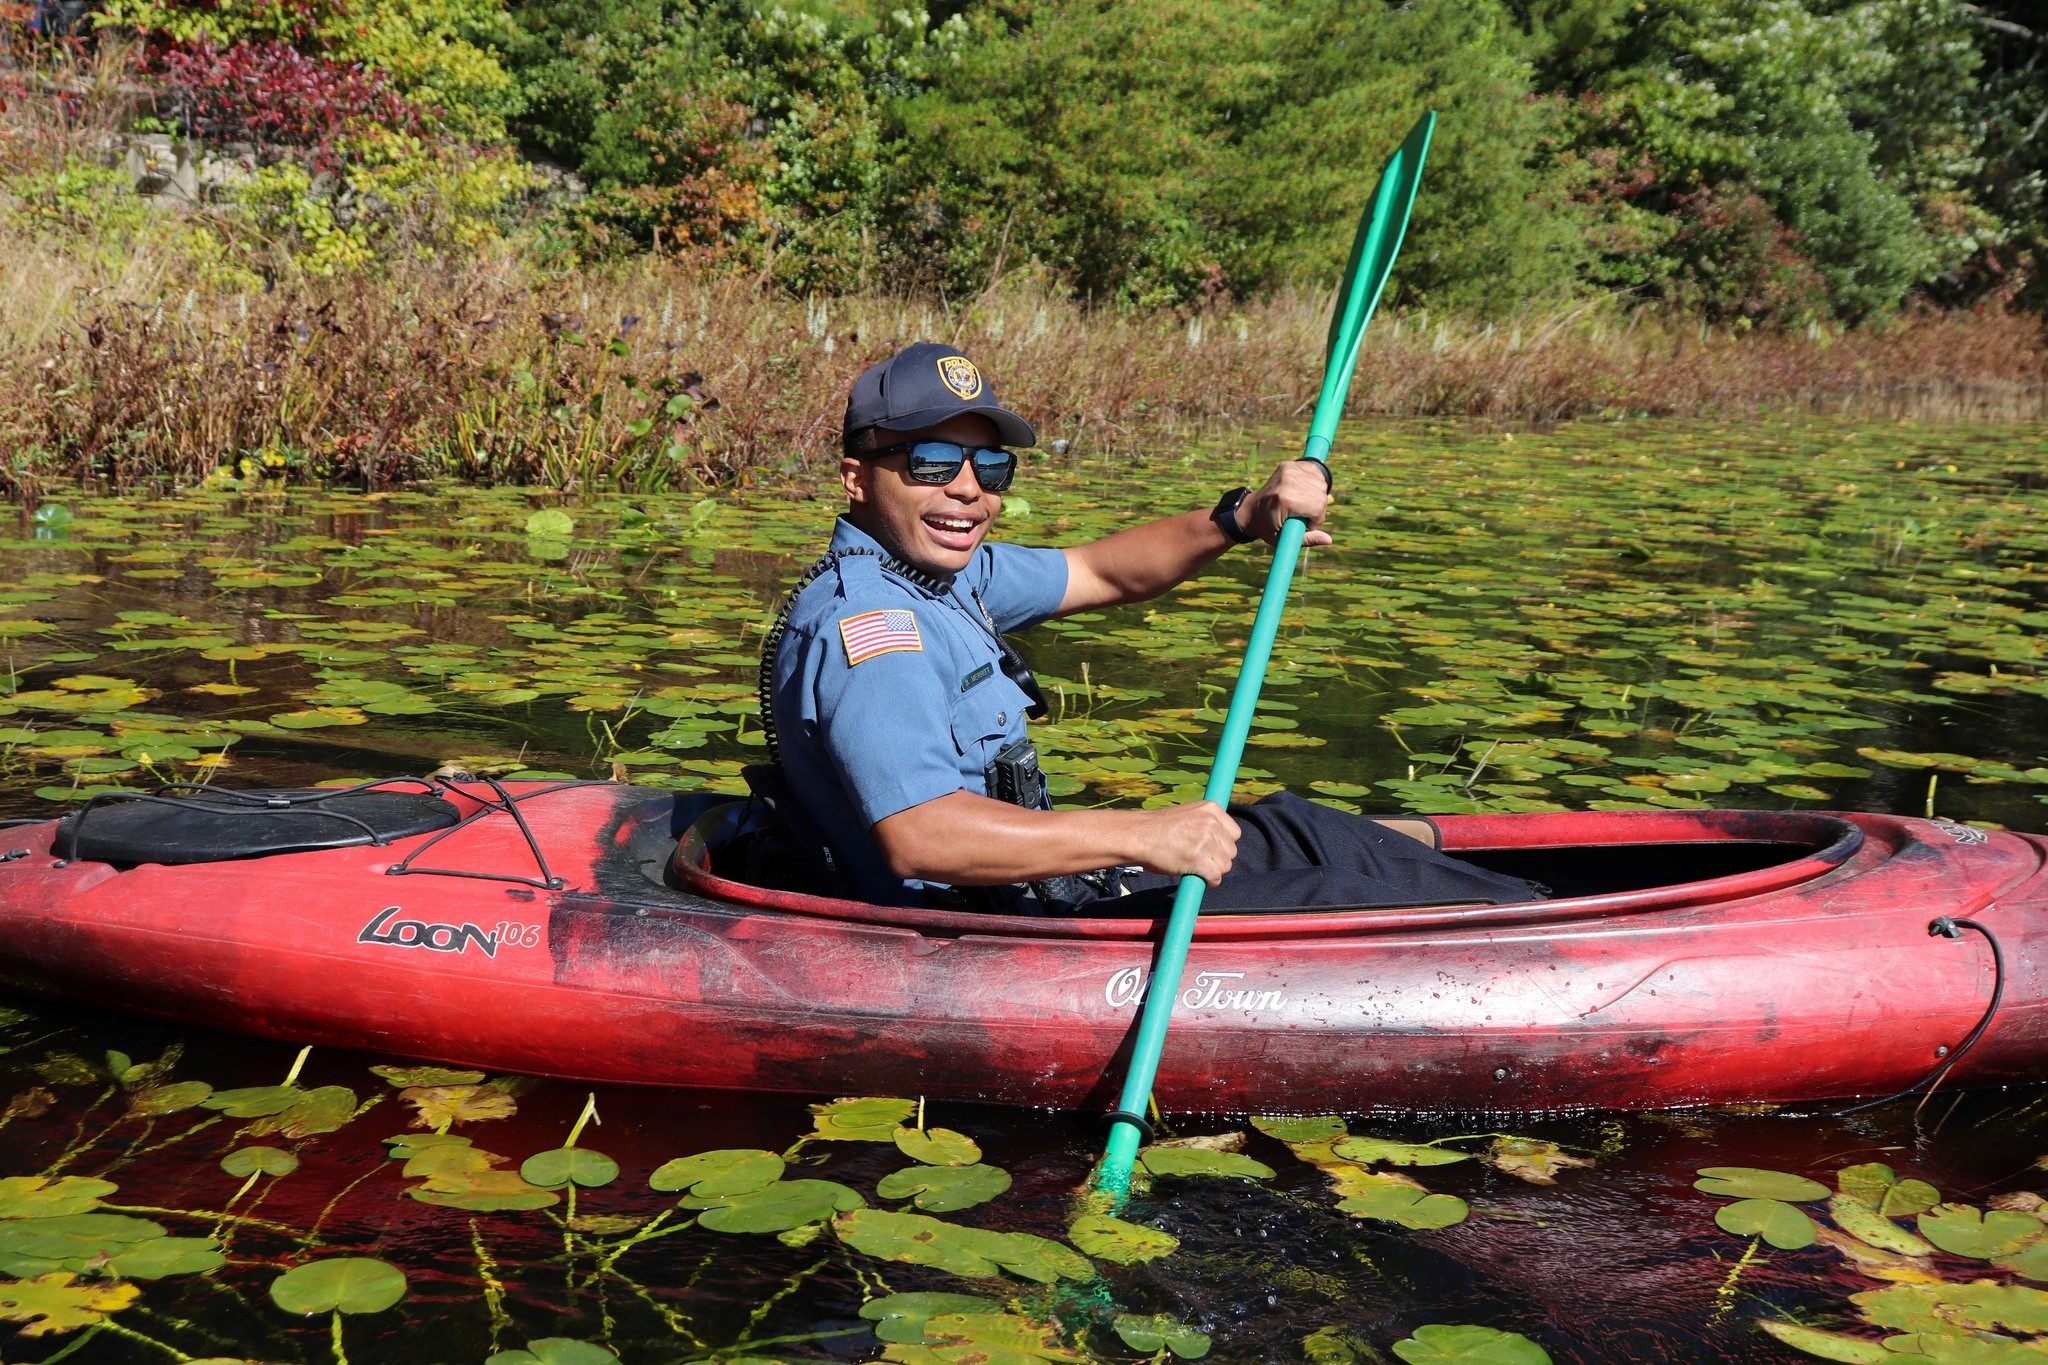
x,y
1212,990
388,929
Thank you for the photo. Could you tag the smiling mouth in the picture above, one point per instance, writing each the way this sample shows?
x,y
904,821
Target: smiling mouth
x,y
956,533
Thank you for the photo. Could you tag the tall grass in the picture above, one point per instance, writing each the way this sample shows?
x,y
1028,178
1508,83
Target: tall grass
x,y
647,376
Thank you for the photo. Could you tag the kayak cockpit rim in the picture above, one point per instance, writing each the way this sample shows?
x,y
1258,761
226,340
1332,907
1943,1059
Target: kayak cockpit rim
x,y
1816,844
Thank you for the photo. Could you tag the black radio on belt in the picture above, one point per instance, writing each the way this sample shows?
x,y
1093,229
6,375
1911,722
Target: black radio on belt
x,y
1015,776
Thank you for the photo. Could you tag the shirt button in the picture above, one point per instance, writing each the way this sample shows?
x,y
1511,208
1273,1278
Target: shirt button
x,y
1002,717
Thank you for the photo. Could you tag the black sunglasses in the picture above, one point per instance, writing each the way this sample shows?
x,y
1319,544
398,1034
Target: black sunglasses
x,y
939,462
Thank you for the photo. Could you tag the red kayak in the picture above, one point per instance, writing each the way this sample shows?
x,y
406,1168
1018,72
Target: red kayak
x,y
583,930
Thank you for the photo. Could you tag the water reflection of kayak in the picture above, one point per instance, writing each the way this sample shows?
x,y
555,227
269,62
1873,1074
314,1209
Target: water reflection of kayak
x,y
1690,957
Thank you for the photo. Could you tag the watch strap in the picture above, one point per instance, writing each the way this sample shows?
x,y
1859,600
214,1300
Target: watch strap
x,y
1225,516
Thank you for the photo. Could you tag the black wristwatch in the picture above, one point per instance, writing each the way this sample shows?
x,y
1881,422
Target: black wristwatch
x,y
1225,516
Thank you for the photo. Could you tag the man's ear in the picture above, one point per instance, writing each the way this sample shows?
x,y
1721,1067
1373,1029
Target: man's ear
x,y
853,477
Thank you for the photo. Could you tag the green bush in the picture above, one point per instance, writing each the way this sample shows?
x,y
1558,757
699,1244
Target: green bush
x,y
1852,125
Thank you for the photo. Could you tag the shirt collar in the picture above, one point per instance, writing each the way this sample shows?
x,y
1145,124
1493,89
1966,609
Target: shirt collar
x,y
847,536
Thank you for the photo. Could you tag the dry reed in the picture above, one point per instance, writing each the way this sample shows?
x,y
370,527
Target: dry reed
x,y
646,376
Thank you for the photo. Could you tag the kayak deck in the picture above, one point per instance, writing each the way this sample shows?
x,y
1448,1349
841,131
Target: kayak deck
x,y
1800,967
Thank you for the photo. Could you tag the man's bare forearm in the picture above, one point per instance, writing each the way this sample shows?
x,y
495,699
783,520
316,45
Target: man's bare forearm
x,y
969,840
1137,564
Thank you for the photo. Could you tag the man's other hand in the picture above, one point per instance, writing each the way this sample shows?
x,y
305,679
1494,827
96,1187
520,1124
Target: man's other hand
x,y
1297,489
1198,839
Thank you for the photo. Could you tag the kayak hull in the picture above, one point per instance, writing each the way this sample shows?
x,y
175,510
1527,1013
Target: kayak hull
x,y
1769,985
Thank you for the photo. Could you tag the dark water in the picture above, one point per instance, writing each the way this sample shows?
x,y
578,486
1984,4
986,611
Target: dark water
x,y
1801,614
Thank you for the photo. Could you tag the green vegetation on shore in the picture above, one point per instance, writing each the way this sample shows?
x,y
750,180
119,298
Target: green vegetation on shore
x,y
1780,160
525,240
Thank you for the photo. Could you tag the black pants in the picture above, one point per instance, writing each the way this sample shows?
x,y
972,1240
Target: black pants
x,y
1295,853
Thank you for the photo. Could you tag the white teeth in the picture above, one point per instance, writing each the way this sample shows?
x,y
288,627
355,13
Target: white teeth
x,y
948,524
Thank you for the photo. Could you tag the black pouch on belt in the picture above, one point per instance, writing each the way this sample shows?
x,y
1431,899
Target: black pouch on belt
x,y
1016,778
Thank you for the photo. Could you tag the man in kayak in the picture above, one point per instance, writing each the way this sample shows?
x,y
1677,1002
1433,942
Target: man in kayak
x,y
896,710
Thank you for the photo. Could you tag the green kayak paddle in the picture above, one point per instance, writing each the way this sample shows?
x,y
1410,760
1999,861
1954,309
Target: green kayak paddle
x,y
1380,231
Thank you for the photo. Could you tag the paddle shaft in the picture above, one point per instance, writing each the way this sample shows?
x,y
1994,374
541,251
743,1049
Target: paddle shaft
x,y
1372,255
1124,1137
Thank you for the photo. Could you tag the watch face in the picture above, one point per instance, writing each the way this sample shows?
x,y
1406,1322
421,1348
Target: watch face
x,y
1225,515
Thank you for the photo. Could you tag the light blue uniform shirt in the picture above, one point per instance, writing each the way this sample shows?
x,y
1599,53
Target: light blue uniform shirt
x,y
886,696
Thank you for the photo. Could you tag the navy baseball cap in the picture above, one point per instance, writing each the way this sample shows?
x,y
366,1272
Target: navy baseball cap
x,y
924,384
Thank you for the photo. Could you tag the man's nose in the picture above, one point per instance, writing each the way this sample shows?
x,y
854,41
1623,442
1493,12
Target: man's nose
x,y
965,485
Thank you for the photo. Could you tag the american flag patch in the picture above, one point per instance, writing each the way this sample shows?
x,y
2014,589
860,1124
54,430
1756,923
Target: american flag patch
x,y
879,632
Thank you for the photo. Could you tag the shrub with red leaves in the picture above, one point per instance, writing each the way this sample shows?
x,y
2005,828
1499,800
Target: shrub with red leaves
x,y
276,96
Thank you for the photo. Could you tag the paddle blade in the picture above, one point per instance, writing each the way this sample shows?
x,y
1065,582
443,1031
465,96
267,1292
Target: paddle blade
x,y
1380,231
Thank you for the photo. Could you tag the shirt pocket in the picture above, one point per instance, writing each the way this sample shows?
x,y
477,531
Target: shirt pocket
x,y
985,719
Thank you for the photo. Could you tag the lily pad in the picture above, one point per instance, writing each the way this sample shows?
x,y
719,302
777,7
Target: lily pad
x,y
1914,1348
319,718
779,1207
57,1303
555,1351
901,1317
732,1170
31,1246
447,1161
1748,1182
1396,1199
439,1106
1905,1307
1866,1182
1829,1345
1367,1151
163,1257
1963,1230
35,1196
938,1147
861,1120
551,1170
412,1144
168,1099
1157,1332
406,1077
345,1284
1443,1344
322,1110
997,1338
1783,1226
943,1189
1907,1198
2029,1263
1532,1160
483,1191
246,1161
254,1102
1112,1239
973,1252
1202,1161
1867,1225
1990,1307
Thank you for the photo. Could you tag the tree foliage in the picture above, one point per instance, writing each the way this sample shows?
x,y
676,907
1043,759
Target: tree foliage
x,y
1777,161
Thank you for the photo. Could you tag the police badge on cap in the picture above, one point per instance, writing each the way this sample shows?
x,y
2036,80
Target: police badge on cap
x,y
921,386
957,372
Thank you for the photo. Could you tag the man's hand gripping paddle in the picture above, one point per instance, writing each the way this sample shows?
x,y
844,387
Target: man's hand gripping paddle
x,y
1372,256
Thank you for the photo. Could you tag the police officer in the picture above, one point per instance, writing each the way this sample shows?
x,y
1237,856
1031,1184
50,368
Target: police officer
x,y
898,711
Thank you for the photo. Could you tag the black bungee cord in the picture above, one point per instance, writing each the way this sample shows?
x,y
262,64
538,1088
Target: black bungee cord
x,y
1943,926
